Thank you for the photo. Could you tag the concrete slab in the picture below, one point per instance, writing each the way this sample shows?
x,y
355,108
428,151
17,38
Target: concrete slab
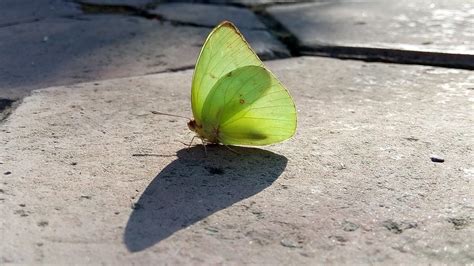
x,y
252,3
23,11
208,15
141,4
89,176
385,29
66,51
264,43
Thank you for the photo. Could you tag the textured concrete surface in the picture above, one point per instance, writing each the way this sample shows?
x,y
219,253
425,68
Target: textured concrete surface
x,y
142,4
252,3
208,15
441,26
27,11
64,51
61,51
90,176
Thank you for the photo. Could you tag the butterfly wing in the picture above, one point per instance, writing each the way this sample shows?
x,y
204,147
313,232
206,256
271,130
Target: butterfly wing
x,y
224,50
249,106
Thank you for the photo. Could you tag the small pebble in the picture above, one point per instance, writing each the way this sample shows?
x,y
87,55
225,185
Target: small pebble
x,y
7,173
338,238
43,223
349,226
437,159
290,244
412,139
342,166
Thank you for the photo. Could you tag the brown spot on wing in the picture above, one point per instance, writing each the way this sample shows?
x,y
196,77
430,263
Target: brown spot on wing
x,y
256,135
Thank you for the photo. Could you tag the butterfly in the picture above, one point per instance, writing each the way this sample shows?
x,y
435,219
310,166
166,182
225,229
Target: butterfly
x,y
235,99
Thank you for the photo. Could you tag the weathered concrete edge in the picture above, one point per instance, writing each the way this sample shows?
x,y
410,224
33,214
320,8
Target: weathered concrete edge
x,y
389,55
369,54
144,12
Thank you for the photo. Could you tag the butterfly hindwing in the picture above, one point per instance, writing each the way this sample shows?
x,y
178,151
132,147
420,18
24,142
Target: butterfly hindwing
x,y
233,94
249,106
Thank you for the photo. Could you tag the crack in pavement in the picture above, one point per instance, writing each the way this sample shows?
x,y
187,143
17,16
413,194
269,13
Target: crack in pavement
x,y
276,29
279,32
385,55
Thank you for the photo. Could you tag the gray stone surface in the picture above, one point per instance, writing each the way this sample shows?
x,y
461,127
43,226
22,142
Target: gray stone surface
x,y
142,4
22,11
258,2
65,51
354,186
439,26
265,44
208,15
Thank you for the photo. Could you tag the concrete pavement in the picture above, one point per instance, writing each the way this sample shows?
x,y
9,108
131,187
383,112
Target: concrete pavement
x,y
56,49
434,32
90,176
379,172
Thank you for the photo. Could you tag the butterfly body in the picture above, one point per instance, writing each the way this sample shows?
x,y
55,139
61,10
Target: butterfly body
x,y
209,135
235,99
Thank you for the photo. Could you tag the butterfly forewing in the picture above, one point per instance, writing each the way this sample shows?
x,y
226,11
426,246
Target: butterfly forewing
x,y
224,50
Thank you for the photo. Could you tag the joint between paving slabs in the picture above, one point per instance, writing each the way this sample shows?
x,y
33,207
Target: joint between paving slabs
x,y
278,31
395,56
273,26
92,9
98,9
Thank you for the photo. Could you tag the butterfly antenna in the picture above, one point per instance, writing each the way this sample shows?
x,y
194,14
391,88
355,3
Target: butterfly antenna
x,y
161,113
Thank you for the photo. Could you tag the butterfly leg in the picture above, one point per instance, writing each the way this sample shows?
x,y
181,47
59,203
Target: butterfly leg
x,y
189,146
204,144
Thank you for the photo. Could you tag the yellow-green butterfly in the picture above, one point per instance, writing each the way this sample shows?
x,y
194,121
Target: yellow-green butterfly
x,y
235,99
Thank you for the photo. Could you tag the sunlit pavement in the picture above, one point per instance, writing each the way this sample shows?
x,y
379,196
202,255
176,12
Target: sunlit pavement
x,y
379,172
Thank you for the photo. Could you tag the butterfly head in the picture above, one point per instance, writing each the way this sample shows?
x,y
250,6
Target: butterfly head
x,y
211,136
192,125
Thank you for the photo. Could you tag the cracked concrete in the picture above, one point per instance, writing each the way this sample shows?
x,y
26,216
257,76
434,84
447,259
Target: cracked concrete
x,y
141,4
379,172
61,51
208,15
25,11
91,176
56,50
439,33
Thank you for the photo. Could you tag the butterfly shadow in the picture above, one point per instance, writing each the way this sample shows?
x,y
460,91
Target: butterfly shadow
x,y
195,186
